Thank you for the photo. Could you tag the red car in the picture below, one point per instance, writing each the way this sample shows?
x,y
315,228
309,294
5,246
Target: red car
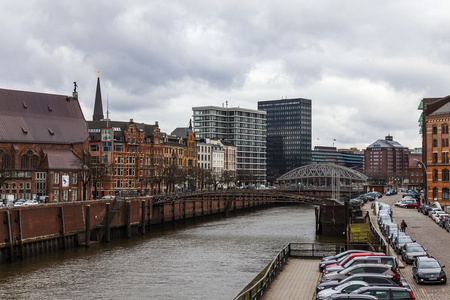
x,y
412,205
348,257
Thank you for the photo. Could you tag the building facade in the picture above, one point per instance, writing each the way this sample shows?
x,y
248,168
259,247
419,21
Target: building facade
x,y
288,135
42,140
388,160
350,158
435,121
245,128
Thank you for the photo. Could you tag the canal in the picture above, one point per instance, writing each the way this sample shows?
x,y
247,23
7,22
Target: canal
x,y
214,259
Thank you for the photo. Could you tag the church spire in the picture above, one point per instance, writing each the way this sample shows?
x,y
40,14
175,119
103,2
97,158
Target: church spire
x,y
98,107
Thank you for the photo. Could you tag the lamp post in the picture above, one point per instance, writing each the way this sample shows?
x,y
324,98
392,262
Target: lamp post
x,y
425,178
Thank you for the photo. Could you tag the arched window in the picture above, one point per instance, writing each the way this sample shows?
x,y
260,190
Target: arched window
x,y
34,162
445,196
435,193
445,175
24,162
444,128
435,175
434,129
6,161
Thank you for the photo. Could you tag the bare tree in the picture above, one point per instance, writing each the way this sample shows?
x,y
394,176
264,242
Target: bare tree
x,y
89,173
228,177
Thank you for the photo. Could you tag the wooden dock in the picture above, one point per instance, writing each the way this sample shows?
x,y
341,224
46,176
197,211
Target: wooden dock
x,y
297,280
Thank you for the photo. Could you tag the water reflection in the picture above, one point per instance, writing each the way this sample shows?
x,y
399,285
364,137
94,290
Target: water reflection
x,y
210,260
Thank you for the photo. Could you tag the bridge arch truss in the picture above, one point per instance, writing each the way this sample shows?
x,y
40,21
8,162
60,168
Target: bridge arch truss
x,y
324,175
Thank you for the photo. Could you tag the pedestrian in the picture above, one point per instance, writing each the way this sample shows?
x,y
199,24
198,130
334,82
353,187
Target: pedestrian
x,y
403,226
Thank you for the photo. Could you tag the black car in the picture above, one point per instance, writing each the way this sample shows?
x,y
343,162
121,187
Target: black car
x,y
352,297
444,220
411,251
428,269
400,241
371,278
383,292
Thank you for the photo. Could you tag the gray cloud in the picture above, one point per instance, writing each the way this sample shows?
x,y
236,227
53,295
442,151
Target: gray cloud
x,y
365,64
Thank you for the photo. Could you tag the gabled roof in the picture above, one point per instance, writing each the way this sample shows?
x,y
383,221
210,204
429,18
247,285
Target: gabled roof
x,y
29,117
61,159
119,128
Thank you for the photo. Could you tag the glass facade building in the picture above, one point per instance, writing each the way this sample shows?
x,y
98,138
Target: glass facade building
x,y
288,135
246,128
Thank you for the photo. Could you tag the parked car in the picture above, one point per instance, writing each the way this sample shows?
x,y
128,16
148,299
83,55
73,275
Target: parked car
x,y
388,260
391,192
433,210
339,258
343,260
428,269
339,255
30,202
384,217
361,268
437,216
400,241
411,251
370,278
412,195
444,220
352,297
447,226
391,293
344,288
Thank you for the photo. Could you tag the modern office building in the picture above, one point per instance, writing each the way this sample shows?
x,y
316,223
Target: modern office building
x,y
350,158
245,128
288,135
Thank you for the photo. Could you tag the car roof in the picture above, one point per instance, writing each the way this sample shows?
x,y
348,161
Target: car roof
x,y
426,258
413,244
384,288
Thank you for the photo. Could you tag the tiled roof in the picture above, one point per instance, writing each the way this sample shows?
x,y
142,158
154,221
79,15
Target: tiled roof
x,y
28,117
61,159
119,128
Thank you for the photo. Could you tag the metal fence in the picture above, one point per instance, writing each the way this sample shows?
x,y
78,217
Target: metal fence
x,y
307,250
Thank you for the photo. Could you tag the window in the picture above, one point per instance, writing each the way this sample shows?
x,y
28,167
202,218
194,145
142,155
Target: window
x,y
5,161
435,157
435,143
24,162
64,195
56,178
445,194
435,175
444,129
445,157
434,129
34,162
73,197
94,148
74,178
106,146
435,193
107,134
444,142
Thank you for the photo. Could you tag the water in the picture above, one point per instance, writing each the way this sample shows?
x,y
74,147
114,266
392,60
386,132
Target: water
x,y
209,260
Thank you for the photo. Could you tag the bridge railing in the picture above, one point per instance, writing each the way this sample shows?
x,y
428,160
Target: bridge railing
x,y
310,250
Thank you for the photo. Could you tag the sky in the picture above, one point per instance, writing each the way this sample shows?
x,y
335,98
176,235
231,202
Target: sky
x,y
364,64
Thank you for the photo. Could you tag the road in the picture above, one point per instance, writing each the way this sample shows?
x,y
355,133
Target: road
x,y
432,237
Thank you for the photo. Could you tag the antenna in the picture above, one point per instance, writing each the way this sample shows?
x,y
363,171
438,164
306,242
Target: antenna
x,y
107,110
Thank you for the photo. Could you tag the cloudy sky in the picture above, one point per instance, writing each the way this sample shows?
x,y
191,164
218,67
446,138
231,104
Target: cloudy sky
x,y
364,64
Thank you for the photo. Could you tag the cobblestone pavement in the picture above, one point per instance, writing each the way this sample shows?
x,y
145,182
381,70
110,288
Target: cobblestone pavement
x,y
433,238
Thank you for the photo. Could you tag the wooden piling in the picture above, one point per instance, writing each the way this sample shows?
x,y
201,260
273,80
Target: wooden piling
x,y
63,229
87,238
128,219
143,217
108,223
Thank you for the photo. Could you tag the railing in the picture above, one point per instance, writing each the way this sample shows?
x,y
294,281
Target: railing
x,y
310,250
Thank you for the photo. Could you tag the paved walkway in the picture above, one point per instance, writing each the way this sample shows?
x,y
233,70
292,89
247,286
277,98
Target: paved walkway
x,y
296,280
433,238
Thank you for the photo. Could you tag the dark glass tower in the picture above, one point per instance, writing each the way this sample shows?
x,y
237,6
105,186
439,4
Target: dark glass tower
x,y
288,135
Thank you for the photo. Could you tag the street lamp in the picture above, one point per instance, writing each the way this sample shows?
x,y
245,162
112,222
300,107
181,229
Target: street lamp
x,y
425,178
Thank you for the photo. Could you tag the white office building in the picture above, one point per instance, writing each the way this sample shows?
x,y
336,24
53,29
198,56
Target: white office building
x,y
245,128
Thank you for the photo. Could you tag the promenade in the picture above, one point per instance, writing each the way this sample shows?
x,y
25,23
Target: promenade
x,y
432,237
297,280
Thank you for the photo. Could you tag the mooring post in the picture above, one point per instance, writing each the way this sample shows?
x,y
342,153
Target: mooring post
x,y
150,214
63,229
87,237
108,223
128,219
143,217
10,236
22,253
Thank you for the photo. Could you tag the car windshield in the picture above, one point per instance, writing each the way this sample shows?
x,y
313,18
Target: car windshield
x,y
429,265
405,239
415,249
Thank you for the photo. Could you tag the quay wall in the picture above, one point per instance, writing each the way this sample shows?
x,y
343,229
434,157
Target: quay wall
x,y
36,230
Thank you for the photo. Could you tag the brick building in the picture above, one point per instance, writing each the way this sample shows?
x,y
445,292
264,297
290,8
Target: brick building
x,y
387,160
42,139
435,122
